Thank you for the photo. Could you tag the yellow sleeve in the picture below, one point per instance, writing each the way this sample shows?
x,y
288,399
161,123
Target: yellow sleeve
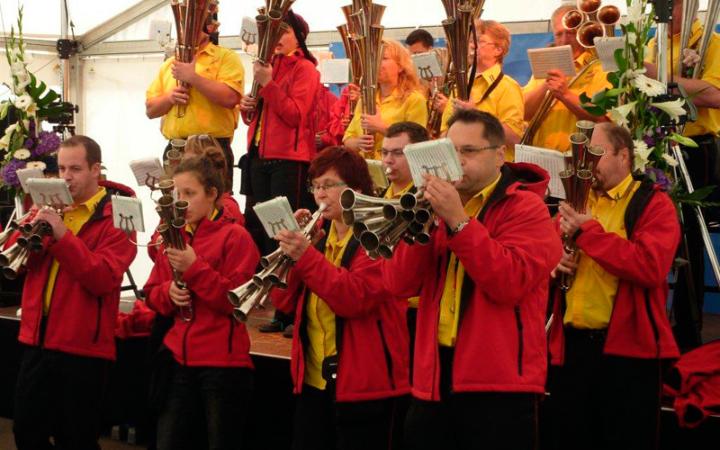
x,y
511,108
156,88
711,73
353,129
417,109
446,115
231,71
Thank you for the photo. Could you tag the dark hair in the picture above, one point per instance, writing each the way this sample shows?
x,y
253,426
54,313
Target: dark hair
x,y
349,165
416,132
205,171
420,35
92,149
492,128
619,138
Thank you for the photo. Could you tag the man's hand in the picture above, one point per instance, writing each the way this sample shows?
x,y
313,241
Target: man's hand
x,y
184,72
181,260
373,123
460,104
54,220
248,103
445,200
364,143
179,95
571,220
557,83
262,73
568,264
293,243
353,92
440,102
181,297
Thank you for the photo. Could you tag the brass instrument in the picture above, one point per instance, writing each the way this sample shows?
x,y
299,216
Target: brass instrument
x,y
276,267
270,29
711,18
438,86
190,17
351,51
379,224
365,33
14,259
458,26
577,179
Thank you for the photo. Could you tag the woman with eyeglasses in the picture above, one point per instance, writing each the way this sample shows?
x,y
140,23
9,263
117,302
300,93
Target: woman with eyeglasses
x,y
398,100
350,343
492,90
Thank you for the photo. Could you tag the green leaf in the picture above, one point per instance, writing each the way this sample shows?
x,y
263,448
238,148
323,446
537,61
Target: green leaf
x,y
682,140
620,60
614,92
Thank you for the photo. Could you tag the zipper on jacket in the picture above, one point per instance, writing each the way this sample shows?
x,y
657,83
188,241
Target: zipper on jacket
x,y
388,357
230,334
97,320
40,334
656,333
518,322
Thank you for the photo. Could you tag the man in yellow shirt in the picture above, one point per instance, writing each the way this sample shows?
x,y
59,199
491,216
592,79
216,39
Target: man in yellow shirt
x,y
703,165
611,334
493,91
216,80
556,126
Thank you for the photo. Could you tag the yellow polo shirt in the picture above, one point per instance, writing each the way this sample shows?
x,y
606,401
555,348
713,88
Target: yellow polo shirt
x,y
321,319
390,194
450,301
592,295
708,119
559,123
505,102
392,109
202,116
74,221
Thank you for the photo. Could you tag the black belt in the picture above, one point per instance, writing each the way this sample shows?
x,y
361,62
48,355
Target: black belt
x,y
585,334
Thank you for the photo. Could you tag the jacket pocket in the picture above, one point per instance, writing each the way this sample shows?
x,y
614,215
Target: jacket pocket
x,y
97,320
521,343
388,356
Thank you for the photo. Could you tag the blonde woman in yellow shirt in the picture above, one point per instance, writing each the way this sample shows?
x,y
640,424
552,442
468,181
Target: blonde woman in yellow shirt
x,y
398,100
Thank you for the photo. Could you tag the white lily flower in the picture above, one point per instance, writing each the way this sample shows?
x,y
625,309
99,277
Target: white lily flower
x,y
24,102
672,162
648,86
673,108
619,114
634,13
642,153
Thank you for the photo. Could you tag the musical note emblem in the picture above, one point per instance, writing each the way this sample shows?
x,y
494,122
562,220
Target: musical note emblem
x,y
151,181
278,226
433,170
126,223
426,73
248,38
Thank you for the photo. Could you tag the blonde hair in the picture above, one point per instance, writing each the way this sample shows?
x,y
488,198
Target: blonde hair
x,y
498,32
203,145
407,78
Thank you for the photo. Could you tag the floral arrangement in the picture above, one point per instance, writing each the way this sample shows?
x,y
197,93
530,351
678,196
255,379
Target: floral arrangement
x,y
640,103
24,144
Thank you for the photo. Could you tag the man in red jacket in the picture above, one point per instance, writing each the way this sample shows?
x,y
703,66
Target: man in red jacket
x,y
69,309
480,359
610,332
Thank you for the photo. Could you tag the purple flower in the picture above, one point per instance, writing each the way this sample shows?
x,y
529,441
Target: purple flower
x,y
31,128
658,175
9,172
29,143
649,140
47,142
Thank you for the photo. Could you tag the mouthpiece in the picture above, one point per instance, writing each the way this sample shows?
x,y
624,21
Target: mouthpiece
x,y
387,171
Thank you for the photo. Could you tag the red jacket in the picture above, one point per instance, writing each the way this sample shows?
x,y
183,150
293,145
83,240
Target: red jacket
x,y
326,114
639,327
226,258
508,252
371,326
84,308
288,103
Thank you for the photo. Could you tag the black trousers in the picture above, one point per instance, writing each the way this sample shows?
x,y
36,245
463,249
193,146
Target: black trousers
x,y
471,420
600,402
703,164
59,395
218,398
320,423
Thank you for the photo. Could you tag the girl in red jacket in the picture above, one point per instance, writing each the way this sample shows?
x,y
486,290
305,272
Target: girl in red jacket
x,y
350,342
211,371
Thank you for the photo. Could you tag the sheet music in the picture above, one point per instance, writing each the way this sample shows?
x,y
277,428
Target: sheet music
x,y
543,60
335,71
49,192
146,168
249,31
605,47
276,215
377,173
27,173
128,214
437,158
427,65
550,160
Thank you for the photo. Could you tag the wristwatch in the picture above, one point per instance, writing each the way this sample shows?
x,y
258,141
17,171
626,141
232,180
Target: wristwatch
x,y
459,227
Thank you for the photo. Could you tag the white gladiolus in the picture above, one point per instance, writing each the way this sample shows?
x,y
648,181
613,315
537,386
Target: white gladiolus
x,y
674,108
642,152
670,160
619,114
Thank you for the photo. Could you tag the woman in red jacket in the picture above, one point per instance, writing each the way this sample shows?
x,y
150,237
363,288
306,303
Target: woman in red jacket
x,y
350,343
211,370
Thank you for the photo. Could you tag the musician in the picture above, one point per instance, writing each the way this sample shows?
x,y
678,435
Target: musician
x,y
340,116
350,344
558,123
211,373
480,359
419,41
69,308
702,163
398,100
216,80
493,91
610,334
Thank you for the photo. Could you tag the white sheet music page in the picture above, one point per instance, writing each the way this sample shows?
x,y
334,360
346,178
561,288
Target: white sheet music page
x,y
27,173
49,192
127,214
543,60
550,160
335,71
605,47
146,168
427,65
437,158
276,215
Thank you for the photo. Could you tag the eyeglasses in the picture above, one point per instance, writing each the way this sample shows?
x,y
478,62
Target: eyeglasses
x,y
470,150
393,153
325,187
